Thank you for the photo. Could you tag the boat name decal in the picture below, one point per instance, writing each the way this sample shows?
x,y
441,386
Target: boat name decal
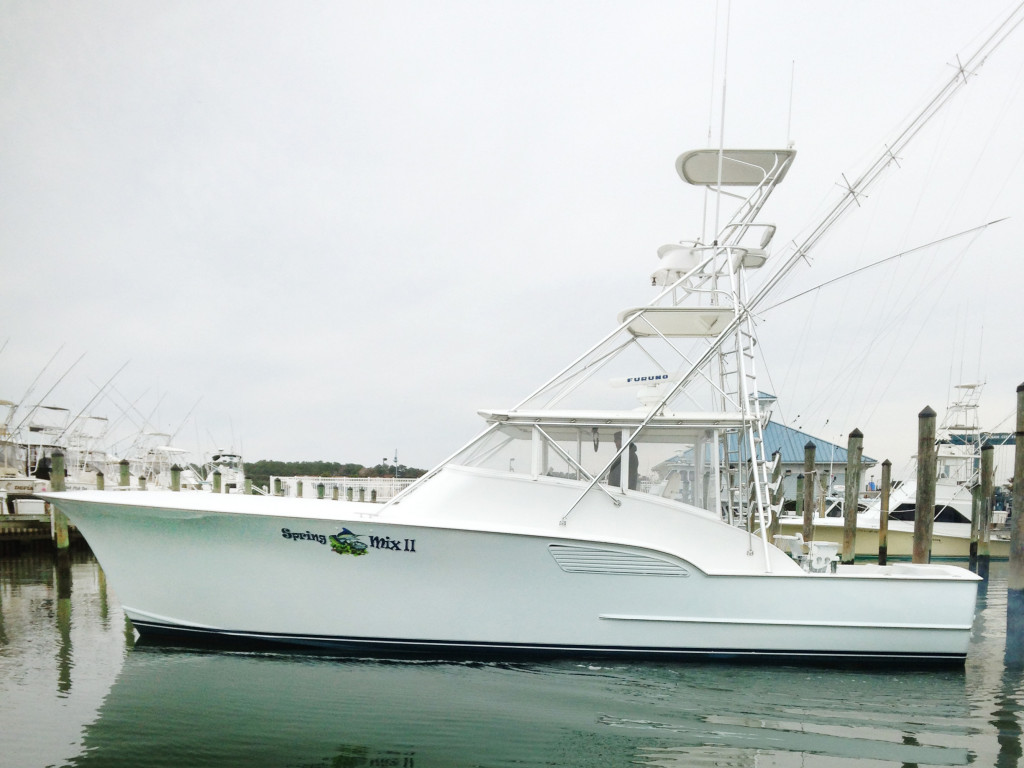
x,y
395,545
345,542
307,536
635,379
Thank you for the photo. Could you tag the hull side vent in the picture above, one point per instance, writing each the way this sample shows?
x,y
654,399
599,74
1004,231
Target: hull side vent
x,y
574,559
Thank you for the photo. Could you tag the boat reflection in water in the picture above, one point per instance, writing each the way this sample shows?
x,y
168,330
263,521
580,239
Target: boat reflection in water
x,y
222,709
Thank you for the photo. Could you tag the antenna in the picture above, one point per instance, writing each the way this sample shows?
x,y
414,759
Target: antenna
x,y
721,124
711,116
789,117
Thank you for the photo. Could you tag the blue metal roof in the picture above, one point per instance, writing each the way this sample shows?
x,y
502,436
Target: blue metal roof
x,y
790,443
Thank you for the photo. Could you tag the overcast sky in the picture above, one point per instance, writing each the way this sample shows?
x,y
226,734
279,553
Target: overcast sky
x,y
343,227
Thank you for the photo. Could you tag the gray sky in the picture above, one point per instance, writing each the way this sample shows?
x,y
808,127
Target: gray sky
x,y
342,227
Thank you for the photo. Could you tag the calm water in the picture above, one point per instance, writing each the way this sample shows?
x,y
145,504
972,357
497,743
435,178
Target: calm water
x,y
76,690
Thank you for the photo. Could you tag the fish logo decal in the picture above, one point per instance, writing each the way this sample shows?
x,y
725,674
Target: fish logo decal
x,y
347,543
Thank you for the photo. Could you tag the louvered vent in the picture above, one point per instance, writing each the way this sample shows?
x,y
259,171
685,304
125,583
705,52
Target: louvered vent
x,y
573,559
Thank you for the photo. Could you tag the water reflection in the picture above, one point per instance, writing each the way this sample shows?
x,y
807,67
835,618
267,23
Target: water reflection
x,y
62,576
1006,718
223,709
85,697
57,659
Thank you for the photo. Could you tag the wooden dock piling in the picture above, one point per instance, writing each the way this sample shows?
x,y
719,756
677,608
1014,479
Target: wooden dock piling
x,y
57,473
321,489
125,478
975,525
175,478
334,493
924,512
61,536
883,514
854,453
99,481
1015,575
808,491
216,481
985,508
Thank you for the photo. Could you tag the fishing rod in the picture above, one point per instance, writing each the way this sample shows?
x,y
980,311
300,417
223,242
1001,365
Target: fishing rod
x,y
124,411
43,398
184,420
91,401
10,416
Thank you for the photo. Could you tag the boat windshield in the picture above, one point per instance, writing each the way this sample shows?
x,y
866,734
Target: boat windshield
x,y
671,462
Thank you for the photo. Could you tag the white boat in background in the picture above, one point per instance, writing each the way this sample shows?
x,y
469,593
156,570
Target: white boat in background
x,y
529,539
958,470
16,486
152,458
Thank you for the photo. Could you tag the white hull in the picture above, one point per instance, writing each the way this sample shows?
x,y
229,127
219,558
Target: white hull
x,y
439,574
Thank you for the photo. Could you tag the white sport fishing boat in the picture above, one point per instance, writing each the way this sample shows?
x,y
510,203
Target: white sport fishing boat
x,y
530,539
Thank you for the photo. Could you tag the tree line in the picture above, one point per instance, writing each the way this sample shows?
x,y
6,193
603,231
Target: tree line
x,y
260,471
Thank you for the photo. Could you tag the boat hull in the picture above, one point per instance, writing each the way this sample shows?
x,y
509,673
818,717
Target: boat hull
x,y
357,582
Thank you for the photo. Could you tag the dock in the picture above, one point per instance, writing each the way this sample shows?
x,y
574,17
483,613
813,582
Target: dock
x,y
27,519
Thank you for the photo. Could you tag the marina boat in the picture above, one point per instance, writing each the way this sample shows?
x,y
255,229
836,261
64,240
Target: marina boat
x,y
950,540
152,459
43,429
537,537
530,539
958,470
16,485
